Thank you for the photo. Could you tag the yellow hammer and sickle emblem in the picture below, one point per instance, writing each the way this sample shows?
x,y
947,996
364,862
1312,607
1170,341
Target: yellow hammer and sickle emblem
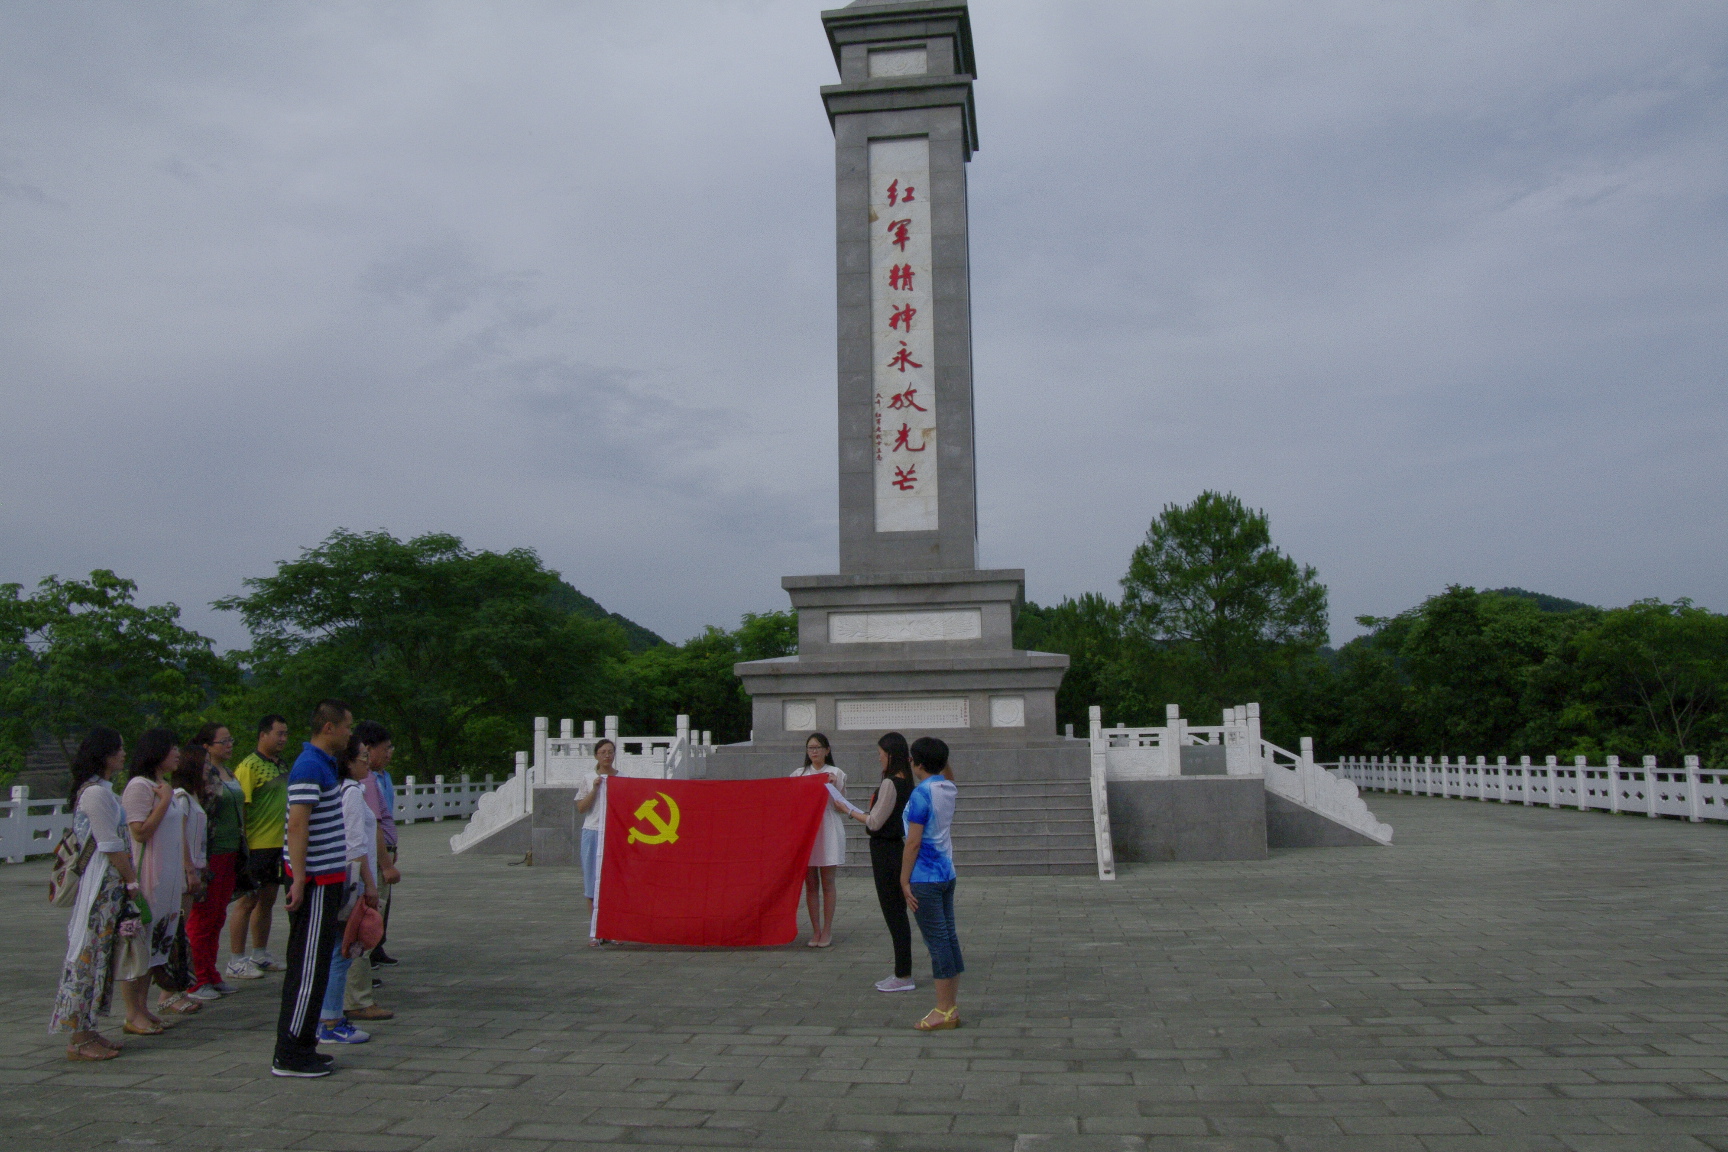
x,y
665,831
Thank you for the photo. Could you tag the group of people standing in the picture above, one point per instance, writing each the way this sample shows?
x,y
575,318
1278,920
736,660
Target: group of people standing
x,y
909,823
911,856
188,846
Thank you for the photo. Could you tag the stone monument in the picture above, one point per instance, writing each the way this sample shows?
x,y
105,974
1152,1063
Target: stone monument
x,y
910,634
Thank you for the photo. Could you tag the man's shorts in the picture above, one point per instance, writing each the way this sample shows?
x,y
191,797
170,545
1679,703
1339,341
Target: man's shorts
x,y
264,866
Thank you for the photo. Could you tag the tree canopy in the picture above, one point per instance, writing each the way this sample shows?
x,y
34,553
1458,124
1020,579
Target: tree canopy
x,y
83,652
438,641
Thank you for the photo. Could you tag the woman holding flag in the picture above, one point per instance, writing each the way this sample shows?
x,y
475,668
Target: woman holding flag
x,y
829,852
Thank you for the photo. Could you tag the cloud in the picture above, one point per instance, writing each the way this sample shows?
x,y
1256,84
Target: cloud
x,y
1440,286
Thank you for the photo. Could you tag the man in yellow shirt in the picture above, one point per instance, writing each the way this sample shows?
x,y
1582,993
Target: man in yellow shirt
x,y
263,780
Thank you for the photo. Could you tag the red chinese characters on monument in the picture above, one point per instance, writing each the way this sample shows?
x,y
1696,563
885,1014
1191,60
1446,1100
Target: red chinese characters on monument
x,y
903,358
906,399
903,336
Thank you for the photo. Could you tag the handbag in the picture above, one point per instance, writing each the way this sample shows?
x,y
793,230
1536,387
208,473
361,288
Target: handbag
x,y
365,929
70,860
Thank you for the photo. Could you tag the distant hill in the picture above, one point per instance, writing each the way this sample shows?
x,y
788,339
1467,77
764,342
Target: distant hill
x,y
1545,603
575,603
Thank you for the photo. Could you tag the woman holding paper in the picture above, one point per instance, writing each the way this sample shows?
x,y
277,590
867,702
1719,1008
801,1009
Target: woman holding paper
x,y
829,852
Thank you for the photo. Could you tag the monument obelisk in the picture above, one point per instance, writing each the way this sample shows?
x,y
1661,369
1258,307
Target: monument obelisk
x,y
910,634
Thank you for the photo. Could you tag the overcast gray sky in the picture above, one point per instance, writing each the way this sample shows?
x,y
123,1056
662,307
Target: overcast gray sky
x,y
1441,286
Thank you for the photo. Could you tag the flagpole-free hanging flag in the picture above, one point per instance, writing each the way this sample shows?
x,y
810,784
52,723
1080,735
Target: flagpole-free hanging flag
x,y
714,862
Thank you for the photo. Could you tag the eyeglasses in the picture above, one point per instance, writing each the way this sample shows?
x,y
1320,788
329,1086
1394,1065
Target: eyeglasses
x,y
224,740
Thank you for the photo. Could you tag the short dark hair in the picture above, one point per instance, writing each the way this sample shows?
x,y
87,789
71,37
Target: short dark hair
x,y
895,745
329,711
929,754
152,748
270,721
371,733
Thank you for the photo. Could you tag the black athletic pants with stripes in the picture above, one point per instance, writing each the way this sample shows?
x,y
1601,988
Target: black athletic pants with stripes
x,y
312,934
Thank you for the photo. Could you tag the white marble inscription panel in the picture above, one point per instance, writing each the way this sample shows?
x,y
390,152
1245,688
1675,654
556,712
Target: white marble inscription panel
x,y
882,715
904,627
899,62
901,300
1007,711
799,715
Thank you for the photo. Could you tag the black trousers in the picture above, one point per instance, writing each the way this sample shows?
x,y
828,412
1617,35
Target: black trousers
x,y
885,865
312,934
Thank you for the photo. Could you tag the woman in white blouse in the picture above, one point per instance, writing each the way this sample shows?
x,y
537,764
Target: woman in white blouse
x,y
87,977
829,851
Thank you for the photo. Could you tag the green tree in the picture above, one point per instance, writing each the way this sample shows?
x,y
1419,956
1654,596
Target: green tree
x,y
1089,631
1658,673
437,640
696,678
1208,578
84,652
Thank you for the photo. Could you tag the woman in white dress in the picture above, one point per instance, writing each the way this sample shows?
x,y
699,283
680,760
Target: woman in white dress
x,y
829,852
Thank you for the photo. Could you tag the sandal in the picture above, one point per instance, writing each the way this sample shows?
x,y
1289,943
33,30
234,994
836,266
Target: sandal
x,y
942,1020
91,1050
181,1003
155,1029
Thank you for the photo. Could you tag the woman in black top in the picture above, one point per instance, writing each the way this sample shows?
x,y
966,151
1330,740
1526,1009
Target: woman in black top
x,y
887,841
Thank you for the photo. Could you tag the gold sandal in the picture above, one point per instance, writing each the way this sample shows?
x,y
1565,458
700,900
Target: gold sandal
x,y
83,1051
944,1020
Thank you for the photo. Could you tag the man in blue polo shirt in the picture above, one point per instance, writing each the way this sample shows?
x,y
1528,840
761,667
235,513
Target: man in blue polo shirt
x,y
316,863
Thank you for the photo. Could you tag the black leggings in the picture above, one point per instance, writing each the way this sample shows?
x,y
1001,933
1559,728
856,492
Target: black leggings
x,y
885,864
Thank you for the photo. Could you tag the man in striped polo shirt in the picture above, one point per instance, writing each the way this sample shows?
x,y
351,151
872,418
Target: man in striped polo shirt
x,y
316,863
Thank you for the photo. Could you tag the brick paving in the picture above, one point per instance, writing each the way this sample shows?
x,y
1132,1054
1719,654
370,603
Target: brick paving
x,y
1501,978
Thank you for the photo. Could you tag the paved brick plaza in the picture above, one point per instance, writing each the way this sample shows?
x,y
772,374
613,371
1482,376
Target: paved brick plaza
x,y
1501,978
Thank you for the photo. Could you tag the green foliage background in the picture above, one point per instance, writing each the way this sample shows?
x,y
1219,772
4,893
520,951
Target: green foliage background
x,y
456,650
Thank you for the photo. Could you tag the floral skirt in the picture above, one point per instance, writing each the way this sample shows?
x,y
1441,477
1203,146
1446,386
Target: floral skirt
x,y
87,979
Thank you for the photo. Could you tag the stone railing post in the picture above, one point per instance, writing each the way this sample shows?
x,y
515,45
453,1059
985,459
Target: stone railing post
x,y
1694,787
1174,738
1100,753
1650,787
1614,784
541,725
1580,770
1306,771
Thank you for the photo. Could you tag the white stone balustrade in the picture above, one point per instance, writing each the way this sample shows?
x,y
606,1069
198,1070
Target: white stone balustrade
x,y
565,760
1689,792
1122,754
32,827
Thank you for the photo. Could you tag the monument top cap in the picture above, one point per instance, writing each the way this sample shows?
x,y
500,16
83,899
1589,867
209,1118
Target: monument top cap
x,y
887,20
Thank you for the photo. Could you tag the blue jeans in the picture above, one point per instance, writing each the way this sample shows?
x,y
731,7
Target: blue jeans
x,y
339,965
935,916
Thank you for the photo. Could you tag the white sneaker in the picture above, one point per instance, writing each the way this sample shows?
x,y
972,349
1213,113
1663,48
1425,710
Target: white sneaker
x,y
895,984
267,962
242,968
205,992
224,987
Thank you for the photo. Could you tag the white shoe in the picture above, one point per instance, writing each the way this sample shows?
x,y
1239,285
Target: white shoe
x,y
895,984
224,987
267,962
242,968
205,992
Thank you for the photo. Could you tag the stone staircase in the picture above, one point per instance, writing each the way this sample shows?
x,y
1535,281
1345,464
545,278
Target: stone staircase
x,y
1024,811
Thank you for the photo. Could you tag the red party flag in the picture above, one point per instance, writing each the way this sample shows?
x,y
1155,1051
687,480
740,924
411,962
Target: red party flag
x,y
715,862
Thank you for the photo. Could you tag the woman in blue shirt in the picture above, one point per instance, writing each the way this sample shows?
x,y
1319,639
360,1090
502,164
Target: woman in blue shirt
x,y
927,876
